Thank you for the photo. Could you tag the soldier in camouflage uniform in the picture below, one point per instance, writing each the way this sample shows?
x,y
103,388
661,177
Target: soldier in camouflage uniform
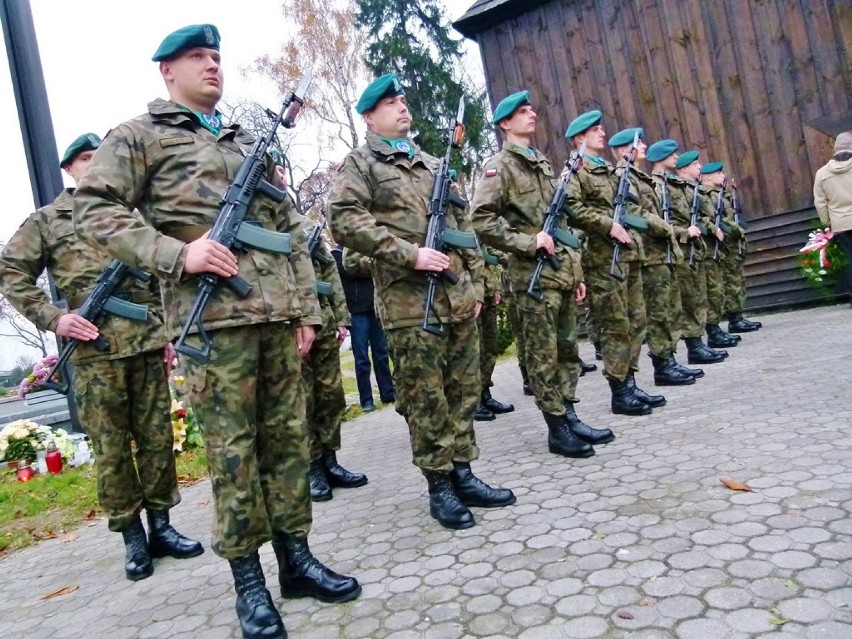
x,y
514,317
733,265
618,303
508,211
172,164
690,275
376,207
122,393
661,256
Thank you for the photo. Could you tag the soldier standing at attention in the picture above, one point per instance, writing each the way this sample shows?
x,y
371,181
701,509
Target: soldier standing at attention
x,y
619,304
377,207
508,211
656,269
172,164
122,393
733,265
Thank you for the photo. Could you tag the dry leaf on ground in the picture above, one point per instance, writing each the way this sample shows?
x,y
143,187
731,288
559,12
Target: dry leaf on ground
x,y
67,539
61,591
735,485
624,614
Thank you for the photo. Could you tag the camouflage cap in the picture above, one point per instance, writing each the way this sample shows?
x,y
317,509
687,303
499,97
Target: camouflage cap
x,y
509,105
195,35
711,167
387,86
686,158
583,123
86,142
659,151
626,136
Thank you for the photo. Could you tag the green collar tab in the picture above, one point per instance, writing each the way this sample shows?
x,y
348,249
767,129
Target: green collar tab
x,y
403,145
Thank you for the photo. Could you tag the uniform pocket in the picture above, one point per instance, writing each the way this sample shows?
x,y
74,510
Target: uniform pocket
x,y
176,140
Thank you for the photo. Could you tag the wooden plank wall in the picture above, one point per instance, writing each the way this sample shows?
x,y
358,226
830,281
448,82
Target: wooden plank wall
x,y
735,79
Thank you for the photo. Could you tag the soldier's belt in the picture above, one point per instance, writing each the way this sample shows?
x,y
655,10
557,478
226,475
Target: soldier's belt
x,y
459,239
323,288
250,233
634,222
567,238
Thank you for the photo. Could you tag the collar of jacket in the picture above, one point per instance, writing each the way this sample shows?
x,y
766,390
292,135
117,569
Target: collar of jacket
x,y
521,152
597,165
381,148
169,112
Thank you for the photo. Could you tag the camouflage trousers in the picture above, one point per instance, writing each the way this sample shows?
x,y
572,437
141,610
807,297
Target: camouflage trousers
x,y
515,322
437,391
734,282
693,298
620,309
549,330
715,291
323,385
488,331
122,401
662,308
593,327
251,405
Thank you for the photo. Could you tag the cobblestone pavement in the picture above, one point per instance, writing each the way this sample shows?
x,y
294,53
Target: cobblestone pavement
x,y
641,541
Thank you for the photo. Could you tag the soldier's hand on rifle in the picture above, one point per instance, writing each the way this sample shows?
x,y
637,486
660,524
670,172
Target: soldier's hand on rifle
x,y
207,256
580,293
76,327
305,339
342,332
431,260
545,242
619,234
719,235
693,231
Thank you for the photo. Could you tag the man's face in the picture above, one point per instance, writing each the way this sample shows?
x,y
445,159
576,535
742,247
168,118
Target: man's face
x,y
522,122
194,77
595,139
713,179
390,118
77,167
669,164
691,171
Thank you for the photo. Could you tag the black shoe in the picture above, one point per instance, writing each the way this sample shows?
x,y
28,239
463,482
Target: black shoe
x,y
587,368
717,338
303,575
654,401
666,372
472,491
598,355
624,402
320,490
580,430
259,619
389,399
528,391
697,373
498,408
369,407
164,540
137,563
698,353
482,414
561,441
337,476
738,324
444,503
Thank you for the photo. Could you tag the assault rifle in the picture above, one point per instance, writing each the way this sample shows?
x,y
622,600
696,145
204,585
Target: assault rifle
x,y
717,221
233,230
738,211
693,221
621,197
437,235
665,204
102,300
551,223
316,253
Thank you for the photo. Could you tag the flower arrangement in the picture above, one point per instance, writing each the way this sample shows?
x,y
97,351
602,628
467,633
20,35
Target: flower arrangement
x,y
22,438
821,259
185,427
34,381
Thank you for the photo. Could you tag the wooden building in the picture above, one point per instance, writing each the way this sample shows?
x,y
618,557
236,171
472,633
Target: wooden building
x,y
761,85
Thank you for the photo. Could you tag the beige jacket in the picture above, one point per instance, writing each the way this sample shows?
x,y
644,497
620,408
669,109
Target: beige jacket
x,y
833,194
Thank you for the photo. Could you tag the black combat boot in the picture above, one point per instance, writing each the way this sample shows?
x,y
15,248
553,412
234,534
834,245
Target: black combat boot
x,y
258,616
164,540
482,414
598,355
697,373
583,431
474,492
561,441
738,324
587,368
137,563
717,338
337,476
624,402
526,381
444,503
666,373
654,401
303,575
498,408
320,490
698,353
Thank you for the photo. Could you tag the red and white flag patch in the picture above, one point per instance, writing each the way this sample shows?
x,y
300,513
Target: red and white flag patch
x,y
490,172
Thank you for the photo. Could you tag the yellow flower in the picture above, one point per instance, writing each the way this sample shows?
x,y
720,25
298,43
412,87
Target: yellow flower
x,y
179,434
176,405
179,380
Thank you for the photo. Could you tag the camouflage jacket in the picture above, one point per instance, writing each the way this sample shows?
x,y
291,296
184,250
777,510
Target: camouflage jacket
x,y
680,201
734,233
377,206
46,240
659,237
494,261
508,210
591,198
333,304
173,170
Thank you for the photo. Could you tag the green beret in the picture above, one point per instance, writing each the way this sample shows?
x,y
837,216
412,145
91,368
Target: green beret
x,y
509,105
583,123
276,156
86,142
625,137
659,151
711,167
195,35
686,158
387,86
